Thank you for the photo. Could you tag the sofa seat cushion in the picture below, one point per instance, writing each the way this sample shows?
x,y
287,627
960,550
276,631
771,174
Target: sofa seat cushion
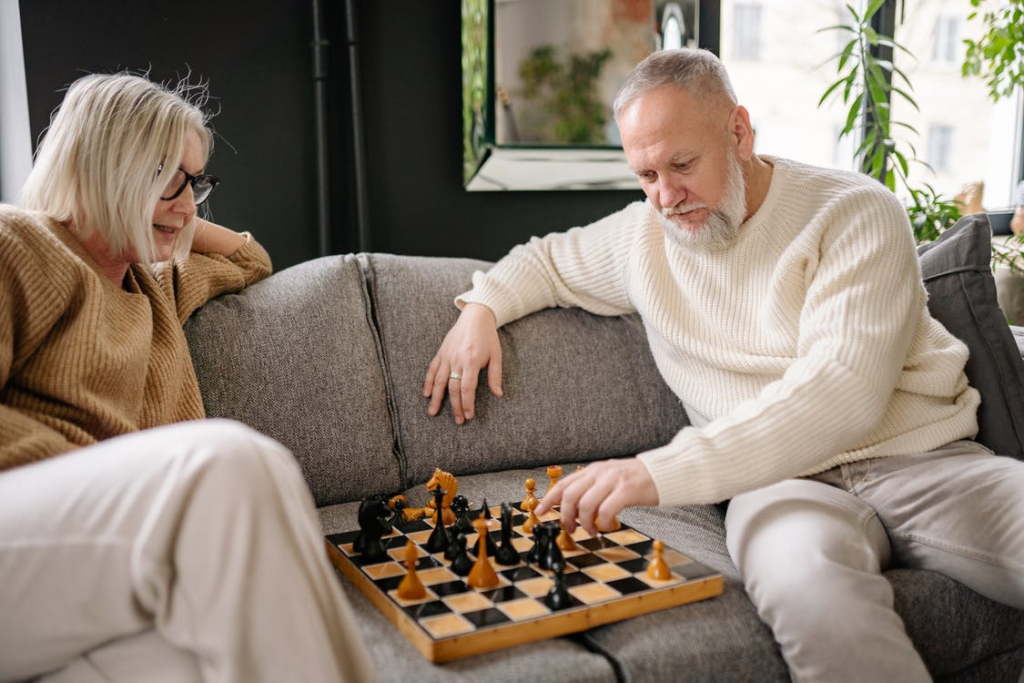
x,y
296,357
623,408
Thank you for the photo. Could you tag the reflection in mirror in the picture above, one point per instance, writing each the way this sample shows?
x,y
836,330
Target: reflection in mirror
x,y
539,77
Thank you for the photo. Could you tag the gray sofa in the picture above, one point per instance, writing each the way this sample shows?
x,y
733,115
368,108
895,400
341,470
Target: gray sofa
x,y
328,357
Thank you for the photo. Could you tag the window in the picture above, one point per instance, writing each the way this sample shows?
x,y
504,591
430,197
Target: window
x,y
945,47
940,148
746,31
960,132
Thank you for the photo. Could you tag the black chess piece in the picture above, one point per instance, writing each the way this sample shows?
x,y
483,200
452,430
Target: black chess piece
x,y
461,564
539,554
463,521
558,597
438,541
485,510
373,525
453,544
507,554
552,553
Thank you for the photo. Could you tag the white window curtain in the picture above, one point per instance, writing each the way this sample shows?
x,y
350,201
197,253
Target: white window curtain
x,y
15,133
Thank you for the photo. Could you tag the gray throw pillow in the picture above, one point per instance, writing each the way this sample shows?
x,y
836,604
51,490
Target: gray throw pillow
x,y
962,296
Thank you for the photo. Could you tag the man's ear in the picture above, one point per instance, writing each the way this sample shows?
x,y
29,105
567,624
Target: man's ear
x,y
741,132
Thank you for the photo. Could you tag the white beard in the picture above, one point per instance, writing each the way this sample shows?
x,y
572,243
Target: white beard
x,y
722,224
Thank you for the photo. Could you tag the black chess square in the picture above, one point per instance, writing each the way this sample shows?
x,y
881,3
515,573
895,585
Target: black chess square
x,y
577,579
635,565
394,542
427,609
519,573
629,585
414,526
388,584
487,617
643,548
450,588
503,594
343,538
597,543
581,561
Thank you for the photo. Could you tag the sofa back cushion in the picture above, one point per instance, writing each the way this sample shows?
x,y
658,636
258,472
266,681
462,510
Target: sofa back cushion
x,y
577,386
296,357
962,296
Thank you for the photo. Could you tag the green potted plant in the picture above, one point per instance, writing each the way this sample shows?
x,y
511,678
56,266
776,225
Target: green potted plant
x,y
867,84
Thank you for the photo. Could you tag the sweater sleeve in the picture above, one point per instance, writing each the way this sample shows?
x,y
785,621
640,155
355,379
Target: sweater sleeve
x,y
855,328
584,267
28,304
193,281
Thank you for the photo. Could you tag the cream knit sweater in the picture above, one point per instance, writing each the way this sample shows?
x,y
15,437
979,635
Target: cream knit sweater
x,y
806,344
82,360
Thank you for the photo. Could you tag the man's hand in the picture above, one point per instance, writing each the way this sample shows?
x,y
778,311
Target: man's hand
x,y
598,493
471,345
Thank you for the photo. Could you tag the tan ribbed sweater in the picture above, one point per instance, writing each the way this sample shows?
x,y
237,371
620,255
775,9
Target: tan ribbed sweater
x,y
82,360
805,344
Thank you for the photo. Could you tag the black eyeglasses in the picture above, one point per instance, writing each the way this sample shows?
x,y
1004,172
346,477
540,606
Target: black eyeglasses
x,y
202,185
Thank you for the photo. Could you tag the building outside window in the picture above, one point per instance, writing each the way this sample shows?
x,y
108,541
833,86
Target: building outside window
x,y
940,148
746,31
946,45
961,133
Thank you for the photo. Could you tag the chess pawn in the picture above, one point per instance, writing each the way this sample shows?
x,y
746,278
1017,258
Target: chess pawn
x,y
461,564
528,506
482,575
554,473
565,541
411,588
615,526
658,568
460,506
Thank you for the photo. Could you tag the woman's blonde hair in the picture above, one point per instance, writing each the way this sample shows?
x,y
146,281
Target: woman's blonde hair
x,y
97,166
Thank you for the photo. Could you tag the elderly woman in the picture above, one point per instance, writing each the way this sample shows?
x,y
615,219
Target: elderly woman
x,y
137,540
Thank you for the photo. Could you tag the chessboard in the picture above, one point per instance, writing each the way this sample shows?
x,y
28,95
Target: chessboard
x,y
606,577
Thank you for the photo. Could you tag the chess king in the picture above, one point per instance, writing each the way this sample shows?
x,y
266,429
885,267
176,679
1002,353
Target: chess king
x,y
795,294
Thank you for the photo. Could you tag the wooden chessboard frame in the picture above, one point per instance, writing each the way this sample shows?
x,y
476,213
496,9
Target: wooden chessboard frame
x,y
691,582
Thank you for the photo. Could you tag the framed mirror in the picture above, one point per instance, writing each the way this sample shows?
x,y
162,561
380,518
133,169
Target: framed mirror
x,y
539,77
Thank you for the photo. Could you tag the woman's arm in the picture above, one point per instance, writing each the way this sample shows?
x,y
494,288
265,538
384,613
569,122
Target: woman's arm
x,y
211,238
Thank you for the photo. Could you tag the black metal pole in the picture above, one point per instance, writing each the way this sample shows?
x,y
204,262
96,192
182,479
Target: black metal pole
x,y
358,144
323,168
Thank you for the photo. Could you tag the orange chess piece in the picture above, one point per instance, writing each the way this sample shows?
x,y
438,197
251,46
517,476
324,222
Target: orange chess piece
x,y
411,587
658,568
554,473
482,575
564,541
528,505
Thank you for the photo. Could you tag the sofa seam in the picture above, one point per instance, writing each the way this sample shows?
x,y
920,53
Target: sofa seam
x,y
370,306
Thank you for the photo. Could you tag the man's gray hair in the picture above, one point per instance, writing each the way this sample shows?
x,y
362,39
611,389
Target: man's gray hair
x,y
697,71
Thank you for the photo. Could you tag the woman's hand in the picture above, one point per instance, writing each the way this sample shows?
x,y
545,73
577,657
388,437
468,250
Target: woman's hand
x,y
471,345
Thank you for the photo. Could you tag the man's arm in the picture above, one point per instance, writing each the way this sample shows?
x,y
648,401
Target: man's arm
x,y
855,329
583,267
470,346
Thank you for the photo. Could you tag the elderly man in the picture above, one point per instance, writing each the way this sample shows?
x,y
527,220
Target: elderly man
x,y
783,305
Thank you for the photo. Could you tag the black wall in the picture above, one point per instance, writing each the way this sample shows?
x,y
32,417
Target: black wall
x,y
259,61
258,64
